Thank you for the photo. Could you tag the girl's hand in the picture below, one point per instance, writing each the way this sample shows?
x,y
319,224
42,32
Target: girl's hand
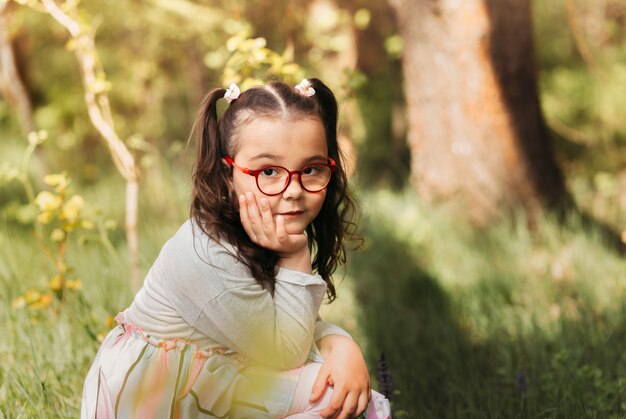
x,y
344,368
258,222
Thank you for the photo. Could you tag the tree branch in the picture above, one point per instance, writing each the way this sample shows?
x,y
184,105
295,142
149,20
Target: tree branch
x,y
100,115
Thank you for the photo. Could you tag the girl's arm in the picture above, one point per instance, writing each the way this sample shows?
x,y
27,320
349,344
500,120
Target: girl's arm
x,y
344,368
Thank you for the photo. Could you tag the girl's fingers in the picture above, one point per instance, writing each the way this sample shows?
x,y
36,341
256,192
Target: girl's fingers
x,y
349,406
281,231
245,218
266,216
319,385
253,209
255,216
263,229
362,405
336,402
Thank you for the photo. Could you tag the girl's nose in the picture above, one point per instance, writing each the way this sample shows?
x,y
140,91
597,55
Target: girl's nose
x,y
294,189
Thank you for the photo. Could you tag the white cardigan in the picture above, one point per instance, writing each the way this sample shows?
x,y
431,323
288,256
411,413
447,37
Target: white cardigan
x,y
197,290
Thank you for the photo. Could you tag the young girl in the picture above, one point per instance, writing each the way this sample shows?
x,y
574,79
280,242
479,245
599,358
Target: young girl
x,y
226,324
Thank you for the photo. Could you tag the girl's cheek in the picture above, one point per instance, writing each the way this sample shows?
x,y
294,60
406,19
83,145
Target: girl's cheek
x,y
241,187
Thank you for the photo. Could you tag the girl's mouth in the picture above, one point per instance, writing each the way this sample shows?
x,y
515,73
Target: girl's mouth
x,y
291,213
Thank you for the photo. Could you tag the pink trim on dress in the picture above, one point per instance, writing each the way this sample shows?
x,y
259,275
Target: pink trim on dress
x,y
166,344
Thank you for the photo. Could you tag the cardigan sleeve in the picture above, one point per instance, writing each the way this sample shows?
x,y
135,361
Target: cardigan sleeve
x,y
277,332
323,328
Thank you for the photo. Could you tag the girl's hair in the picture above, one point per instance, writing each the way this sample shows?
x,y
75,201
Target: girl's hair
x,y
214,203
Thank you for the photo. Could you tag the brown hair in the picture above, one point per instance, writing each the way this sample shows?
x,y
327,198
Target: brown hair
x,y
214,204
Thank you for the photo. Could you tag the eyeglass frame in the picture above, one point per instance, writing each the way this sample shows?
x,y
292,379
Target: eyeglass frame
x,y
332,165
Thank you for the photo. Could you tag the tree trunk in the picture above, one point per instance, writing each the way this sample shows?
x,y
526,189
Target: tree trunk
x,y
11,85
476,131
382,153
12,88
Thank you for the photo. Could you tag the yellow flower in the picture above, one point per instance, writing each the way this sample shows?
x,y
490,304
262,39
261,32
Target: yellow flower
x,y
60,181
57,235
44,217
43,302
42,134
74,284
55,283
47,201
109,322
19,302
62,267
32,296
33,138
87,225
70,210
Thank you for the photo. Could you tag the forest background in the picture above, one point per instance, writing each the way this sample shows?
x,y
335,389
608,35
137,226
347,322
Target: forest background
x,y
492,279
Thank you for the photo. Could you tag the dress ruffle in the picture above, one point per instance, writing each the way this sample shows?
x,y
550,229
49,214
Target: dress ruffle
x,y
137,375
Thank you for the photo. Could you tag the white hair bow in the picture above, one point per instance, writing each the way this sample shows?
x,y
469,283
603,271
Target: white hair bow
x,y
304,88
232,93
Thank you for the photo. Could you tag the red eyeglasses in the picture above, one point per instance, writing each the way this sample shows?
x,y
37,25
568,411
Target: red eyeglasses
x,y
274,180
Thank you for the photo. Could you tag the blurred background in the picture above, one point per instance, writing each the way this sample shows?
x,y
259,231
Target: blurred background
x,y
486,143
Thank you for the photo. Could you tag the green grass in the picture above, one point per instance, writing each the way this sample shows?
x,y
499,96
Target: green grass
x,y
497,323
46,353
493,323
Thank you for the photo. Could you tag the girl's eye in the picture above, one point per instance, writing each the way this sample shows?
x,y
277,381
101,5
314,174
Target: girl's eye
x,y
270,171
312,170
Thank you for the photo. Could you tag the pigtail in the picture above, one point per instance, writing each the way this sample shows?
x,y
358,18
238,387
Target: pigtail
x,y
329,111
206,120
334,224
209,189
213,204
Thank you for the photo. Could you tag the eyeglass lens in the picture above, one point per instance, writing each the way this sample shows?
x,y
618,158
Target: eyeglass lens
x,y
273,180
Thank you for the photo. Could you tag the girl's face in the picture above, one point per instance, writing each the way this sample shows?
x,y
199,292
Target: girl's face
x,y
292,144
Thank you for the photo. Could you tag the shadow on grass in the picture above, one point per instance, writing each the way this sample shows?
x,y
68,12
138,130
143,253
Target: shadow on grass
x,y
609,233
439,371
406,315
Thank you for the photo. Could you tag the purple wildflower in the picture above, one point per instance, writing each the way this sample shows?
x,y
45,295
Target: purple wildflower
x,y
521,380
384,377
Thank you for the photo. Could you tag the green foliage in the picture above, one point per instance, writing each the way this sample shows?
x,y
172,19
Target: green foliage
x,y
581,53
495,323
54,216
47,349
48,346
251,63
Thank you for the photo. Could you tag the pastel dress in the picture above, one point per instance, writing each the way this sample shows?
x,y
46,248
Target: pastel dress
x,y
203,339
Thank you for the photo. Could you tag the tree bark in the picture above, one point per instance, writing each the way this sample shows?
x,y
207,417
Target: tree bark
x,y
11,85
476,131
382,153
14,90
